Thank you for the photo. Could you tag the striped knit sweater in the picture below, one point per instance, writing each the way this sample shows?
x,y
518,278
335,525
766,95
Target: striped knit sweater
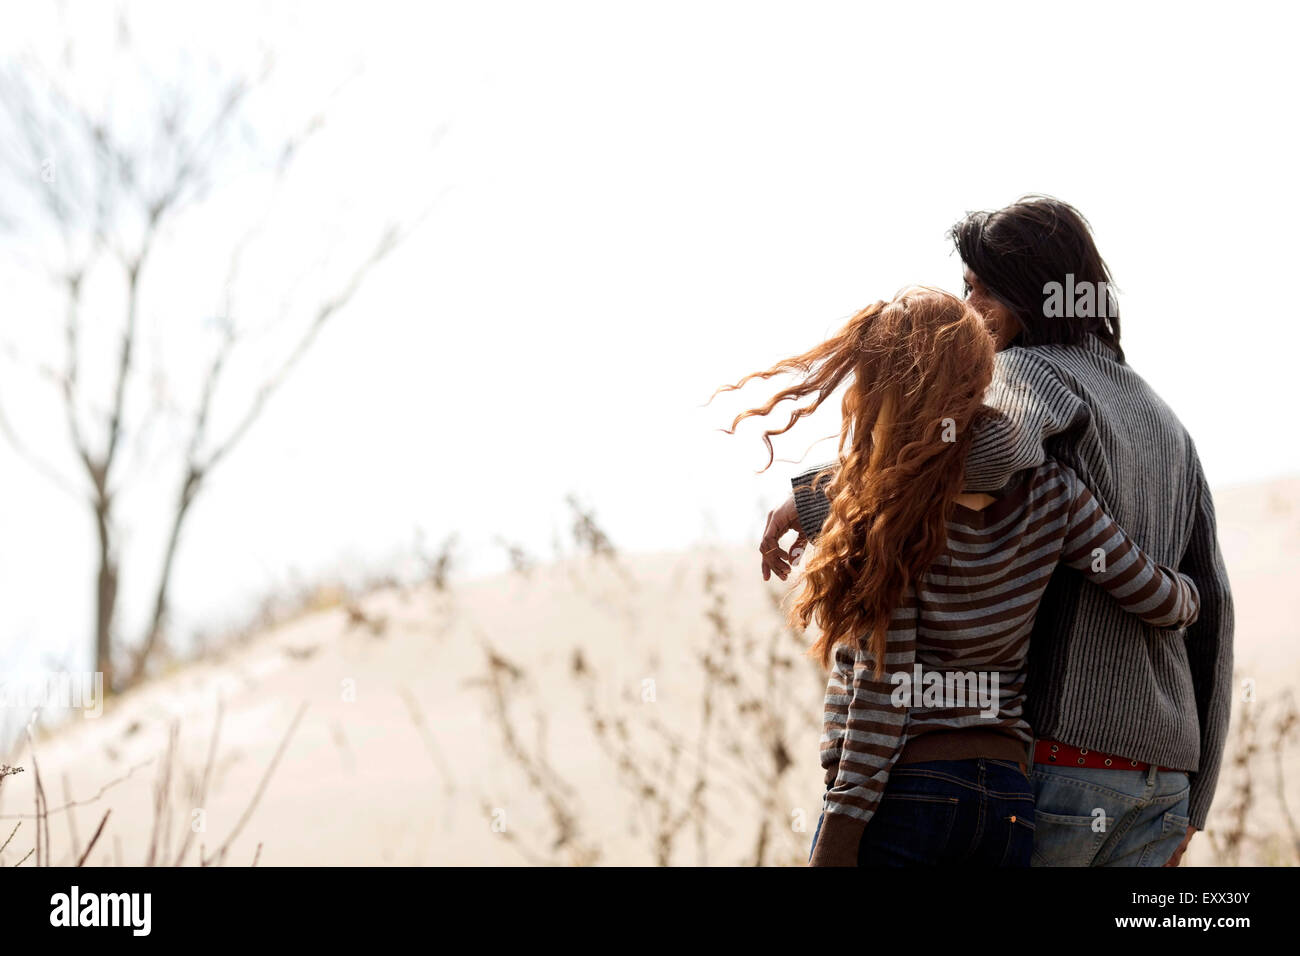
x,y
1092,680
955,657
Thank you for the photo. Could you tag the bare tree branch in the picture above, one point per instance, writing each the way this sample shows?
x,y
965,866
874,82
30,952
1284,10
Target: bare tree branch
x,y
108,194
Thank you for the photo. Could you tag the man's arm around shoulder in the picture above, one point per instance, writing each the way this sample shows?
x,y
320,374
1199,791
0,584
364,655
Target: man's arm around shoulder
x,y
1034,405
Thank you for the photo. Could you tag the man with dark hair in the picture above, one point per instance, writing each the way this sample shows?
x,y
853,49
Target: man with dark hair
x,y
1130,721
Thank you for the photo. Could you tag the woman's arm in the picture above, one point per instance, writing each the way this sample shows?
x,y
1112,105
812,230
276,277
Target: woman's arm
x,y
875,729
1096,545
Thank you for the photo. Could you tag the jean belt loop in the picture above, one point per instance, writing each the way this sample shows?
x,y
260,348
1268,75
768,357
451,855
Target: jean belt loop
x,y
1152,771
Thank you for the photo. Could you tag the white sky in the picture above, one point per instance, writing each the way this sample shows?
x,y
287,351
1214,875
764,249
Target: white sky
x,y
644,201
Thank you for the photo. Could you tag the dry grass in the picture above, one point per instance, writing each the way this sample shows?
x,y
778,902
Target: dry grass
x,y
712,780
166,833
685,789
1264,732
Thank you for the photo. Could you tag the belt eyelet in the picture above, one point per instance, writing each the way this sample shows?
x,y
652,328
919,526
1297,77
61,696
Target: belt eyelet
x,y
1080,761
1107,761
1084,752
1054,748
1133,763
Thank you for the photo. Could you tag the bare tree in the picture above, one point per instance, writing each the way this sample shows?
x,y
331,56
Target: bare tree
x,y
101,192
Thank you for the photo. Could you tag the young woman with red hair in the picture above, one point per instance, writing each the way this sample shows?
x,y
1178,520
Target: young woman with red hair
x,y
925,596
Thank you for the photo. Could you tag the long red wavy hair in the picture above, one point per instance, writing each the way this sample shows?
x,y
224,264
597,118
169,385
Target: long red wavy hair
x,y
917,369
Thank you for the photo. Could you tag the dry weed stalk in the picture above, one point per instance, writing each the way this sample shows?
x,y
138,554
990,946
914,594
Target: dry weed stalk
x,y
754,698
1233,843
1284,735
521,562
504,678
99,830
219,857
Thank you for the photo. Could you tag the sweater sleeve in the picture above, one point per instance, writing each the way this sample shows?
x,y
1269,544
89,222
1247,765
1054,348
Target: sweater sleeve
x,y
810,497
1096,545
875,730
1034,405
1209,649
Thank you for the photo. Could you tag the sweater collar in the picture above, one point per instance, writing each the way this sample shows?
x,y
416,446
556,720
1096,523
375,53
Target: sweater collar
x,y
1094,344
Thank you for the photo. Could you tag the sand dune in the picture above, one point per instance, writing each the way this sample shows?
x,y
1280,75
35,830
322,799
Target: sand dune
x,y
548,717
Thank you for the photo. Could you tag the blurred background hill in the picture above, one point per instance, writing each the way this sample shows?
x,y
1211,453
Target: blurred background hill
x,y
590,708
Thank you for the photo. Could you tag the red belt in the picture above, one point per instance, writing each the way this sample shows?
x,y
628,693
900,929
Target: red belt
x,y
1063,755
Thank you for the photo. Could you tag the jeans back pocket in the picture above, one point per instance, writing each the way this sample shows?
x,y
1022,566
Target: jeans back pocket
x,y
908,829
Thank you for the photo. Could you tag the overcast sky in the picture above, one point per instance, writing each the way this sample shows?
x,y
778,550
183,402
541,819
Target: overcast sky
x,y
637,203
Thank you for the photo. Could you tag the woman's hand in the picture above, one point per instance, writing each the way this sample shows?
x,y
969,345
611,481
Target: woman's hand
x,y
775,559
837,843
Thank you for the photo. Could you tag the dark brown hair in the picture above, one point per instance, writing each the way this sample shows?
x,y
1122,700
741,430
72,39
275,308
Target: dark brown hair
x,y
1018,250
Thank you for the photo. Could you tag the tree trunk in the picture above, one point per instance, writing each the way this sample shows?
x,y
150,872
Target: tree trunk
x,y
158,623
105,597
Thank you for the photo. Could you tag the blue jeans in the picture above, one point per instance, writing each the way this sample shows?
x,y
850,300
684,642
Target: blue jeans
x,y
1108,817
977,812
